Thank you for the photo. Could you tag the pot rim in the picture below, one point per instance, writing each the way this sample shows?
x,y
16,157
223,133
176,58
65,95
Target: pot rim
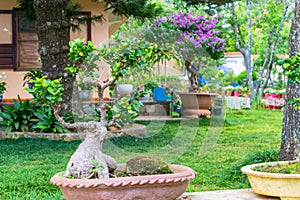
x,y
181,173
248,170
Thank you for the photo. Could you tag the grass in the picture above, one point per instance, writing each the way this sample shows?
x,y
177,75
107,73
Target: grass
x,y
214,148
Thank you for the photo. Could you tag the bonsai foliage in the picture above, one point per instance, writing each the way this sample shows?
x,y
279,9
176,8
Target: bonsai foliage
x,y
88,161
191,36
78,55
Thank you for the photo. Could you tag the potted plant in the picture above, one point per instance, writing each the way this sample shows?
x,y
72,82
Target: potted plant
x,y
2,89
273,93
2,85
183,33
238,91
229,90
123,87
87,175
148,88
281,178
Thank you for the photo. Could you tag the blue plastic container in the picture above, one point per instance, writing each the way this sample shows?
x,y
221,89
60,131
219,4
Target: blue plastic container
x,y
159,94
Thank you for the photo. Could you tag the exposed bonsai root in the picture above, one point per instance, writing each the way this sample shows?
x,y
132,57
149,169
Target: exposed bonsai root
x,y
88,161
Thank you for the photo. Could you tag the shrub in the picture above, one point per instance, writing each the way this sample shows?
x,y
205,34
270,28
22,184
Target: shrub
x,y
19,117
47,122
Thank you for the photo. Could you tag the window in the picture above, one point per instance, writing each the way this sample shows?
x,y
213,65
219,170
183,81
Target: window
x,y
27,43
7,56
19,40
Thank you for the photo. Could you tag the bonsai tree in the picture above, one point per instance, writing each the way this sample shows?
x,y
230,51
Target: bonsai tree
x,y
61,16
192,36
88,161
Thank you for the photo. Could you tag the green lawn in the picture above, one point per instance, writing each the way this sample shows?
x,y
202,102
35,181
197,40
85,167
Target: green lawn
x,y
211,147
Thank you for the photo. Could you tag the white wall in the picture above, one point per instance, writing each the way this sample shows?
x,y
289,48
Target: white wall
x,y
236,63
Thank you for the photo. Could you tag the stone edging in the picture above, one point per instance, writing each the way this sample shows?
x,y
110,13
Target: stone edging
x,y
137,129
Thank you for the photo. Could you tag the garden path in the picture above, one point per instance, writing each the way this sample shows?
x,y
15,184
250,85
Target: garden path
x,y
240,194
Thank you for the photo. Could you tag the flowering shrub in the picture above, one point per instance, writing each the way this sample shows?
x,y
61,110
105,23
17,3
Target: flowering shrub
x,y
192,32
274,102
192,36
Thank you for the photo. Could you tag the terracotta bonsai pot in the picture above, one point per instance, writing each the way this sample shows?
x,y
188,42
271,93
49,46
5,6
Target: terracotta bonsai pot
x,y
153,187
285,186
195,104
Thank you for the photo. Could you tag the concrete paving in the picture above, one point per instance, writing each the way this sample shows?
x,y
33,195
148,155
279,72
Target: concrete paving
x,y
241,194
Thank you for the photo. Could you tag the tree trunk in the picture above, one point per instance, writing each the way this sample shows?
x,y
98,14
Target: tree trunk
x,y
53,29
244,48
248,64
192,77
88,161
290,139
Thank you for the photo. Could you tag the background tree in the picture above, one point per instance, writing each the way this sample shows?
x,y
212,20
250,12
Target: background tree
x,y
270,24
245,47
290,139
53,29
267,18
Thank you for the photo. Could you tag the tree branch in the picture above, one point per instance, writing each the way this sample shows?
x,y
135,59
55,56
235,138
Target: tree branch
x,y
249,25
235,29
271,49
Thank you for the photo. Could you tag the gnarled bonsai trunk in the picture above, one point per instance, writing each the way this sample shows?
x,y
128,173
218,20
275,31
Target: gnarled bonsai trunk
x,y
192,77
88,161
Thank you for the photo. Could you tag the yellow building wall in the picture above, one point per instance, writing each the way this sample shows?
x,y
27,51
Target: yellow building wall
x,y
8,4
100,33
99,30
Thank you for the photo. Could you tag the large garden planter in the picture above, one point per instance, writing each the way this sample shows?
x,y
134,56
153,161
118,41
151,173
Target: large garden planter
x,y
150,187
195,104
285,186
